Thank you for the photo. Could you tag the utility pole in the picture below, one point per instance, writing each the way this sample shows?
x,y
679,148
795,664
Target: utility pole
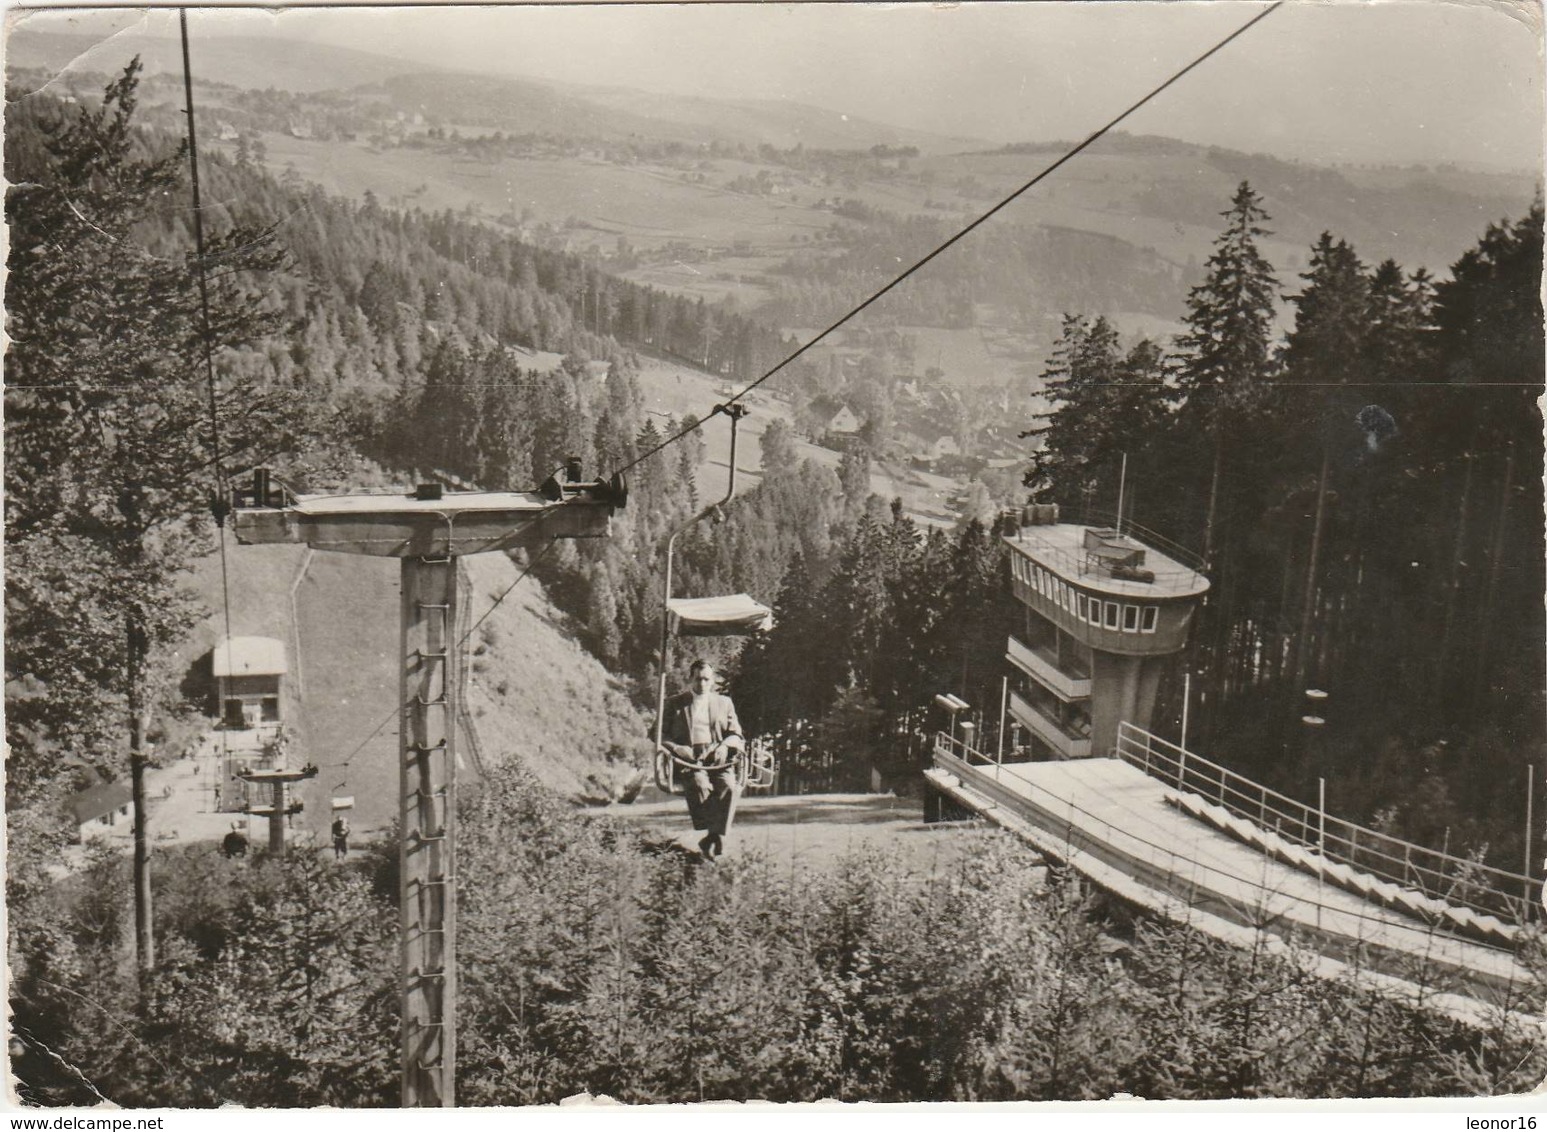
x,y
1122,482
1303,645
139,761
428,530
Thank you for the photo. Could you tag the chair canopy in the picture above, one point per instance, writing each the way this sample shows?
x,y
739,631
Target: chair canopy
x,y
733,615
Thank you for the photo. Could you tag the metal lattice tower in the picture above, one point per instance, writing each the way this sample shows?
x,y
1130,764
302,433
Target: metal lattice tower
x,y
428,531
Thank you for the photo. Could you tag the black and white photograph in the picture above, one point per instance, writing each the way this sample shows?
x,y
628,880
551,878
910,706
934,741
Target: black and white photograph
x,y
656,554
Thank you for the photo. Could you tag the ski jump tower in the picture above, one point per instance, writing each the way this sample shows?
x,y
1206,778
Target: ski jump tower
x,y
428,530
1102,613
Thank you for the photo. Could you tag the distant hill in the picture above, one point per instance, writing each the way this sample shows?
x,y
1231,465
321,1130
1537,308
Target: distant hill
x,y
524,106
252,62
1124,230
510,104
783,124
1167,195
614,113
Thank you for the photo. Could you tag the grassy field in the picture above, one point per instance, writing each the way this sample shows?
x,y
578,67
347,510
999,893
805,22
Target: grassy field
x,y
651,205
672,390
347,607
966,357
533,692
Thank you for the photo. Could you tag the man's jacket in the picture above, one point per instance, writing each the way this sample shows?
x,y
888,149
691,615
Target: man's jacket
x,y
679,723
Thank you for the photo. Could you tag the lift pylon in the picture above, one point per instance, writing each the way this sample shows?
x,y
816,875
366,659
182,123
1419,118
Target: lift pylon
x,y
279,807
427,531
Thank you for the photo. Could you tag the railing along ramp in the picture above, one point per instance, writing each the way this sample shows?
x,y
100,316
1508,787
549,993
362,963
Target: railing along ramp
x,y
1184,837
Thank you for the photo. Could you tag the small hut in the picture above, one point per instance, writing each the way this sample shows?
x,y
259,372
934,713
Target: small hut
x,y
97,809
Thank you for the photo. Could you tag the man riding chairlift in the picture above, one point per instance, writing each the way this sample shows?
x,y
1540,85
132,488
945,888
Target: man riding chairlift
x,y
704,736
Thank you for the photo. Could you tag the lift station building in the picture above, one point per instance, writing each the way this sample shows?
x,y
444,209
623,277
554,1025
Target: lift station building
x,y
248,673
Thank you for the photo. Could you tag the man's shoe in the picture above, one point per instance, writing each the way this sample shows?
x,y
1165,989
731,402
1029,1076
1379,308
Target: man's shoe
x,y
706,847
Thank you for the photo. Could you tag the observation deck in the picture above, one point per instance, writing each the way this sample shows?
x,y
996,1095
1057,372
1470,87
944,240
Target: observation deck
x,y
1101,560
1109,591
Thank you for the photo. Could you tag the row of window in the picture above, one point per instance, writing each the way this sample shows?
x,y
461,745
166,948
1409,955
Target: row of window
x,y
1121,616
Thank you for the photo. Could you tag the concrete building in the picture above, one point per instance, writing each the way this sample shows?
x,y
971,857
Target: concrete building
x,y
1102,613
248,672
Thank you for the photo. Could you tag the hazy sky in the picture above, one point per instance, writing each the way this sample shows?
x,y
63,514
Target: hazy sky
x,y
1400,80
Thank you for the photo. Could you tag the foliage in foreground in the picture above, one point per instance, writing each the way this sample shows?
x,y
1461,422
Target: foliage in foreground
x,y
274,987
590,962
588,965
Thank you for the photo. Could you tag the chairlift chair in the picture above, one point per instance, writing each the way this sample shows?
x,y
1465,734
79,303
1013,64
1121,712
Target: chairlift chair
x,y
731,615
724,616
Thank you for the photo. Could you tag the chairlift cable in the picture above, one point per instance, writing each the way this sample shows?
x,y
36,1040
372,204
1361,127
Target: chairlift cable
x,y
725,406
529,568
220,501
962,233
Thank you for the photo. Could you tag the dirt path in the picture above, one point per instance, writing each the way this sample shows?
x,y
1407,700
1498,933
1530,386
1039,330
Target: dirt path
x,y
813,831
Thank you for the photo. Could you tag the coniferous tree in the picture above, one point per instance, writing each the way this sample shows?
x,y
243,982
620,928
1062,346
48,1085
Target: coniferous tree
x,y
1104,404
979,609
1324,355
1328,343
1489,341
1399,331
855,601
1224,371
779,680
1084,363
1226,353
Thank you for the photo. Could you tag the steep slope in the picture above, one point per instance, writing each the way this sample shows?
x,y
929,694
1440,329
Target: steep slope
x,y
536,695
532,692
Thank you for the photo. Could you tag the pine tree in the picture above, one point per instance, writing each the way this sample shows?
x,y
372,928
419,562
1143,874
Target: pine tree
x,y
1328,344
778,682
1398,332
1227,350
1103,404
978,606
1326,353
1083,361
1490,343
921,591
